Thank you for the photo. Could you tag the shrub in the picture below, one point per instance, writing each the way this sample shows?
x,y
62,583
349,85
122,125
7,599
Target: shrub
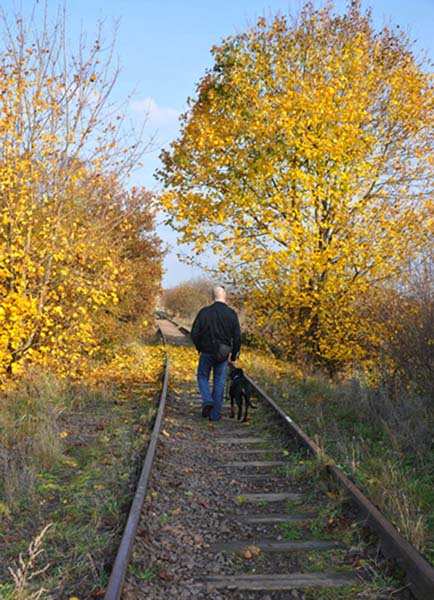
x,y
186,299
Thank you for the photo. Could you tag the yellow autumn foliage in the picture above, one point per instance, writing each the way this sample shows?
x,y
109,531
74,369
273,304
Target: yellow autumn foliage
x,y
78,253
305,163
183,363
133,367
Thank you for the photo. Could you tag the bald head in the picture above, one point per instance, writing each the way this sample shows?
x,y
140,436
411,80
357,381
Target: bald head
x,y
218,293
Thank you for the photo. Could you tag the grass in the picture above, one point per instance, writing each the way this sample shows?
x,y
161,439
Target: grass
x,y
143,574
29,417
84,487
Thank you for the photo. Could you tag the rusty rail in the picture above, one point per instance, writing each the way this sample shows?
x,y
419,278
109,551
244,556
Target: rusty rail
x,y
117,577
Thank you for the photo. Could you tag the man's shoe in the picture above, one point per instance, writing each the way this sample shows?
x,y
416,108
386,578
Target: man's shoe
x,y
206,410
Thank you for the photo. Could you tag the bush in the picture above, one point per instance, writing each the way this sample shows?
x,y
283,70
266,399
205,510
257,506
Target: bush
x,y
406,318
186,299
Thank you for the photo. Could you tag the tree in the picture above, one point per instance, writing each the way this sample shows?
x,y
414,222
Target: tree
x,y
130,219
187,298
305,162
70,232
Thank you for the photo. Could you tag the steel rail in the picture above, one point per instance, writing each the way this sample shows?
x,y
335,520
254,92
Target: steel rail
x,y
419,572
117,576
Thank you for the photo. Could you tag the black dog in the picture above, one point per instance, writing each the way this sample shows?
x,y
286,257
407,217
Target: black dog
x,y
239,392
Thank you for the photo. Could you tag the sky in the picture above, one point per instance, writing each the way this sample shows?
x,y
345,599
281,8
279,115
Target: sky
x,y
163,48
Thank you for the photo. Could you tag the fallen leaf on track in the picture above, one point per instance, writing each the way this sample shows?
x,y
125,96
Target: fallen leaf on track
x,y
250,552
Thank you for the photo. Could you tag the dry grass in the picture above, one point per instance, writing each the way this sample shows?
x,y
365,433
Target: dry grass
x,y
29,415
398,411
399,497
27,570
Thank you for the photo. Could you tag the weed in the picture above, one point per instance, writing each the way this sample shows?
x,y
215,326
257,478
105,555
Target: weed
x,y
26,569
143,574
312,561
291,532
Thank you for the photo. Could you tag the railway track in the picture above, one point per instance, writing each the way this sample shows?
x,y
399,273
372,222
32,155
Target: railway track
x,y
240,512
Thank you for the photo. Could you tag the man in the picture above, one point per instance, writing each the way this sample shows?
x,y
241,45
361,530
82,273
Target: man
x,y
215,325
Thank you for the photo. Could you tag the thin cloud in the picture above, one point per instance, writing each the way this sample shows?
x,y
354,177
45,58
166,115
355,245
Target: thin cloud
x,y
157,116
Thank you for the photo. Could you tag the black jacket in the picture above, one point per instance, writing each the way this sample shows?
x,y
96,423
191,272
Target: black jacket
x,y
216,322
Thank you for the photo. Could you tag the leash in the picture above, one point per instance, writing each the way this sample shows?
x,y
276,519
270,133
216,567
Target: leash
x,y
227,385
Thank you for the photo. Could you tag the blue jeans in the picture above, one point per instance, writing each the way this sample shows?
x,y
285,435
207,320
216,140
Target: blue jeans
x,y
207,363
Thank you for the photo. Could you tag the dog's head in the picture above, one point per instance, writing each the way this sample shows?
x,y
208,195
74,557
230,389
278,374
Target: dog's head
x,y
235,373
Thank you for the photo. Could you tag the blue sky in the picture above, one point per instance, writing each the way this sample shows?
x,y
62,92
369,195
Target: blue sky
x,y
163,47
